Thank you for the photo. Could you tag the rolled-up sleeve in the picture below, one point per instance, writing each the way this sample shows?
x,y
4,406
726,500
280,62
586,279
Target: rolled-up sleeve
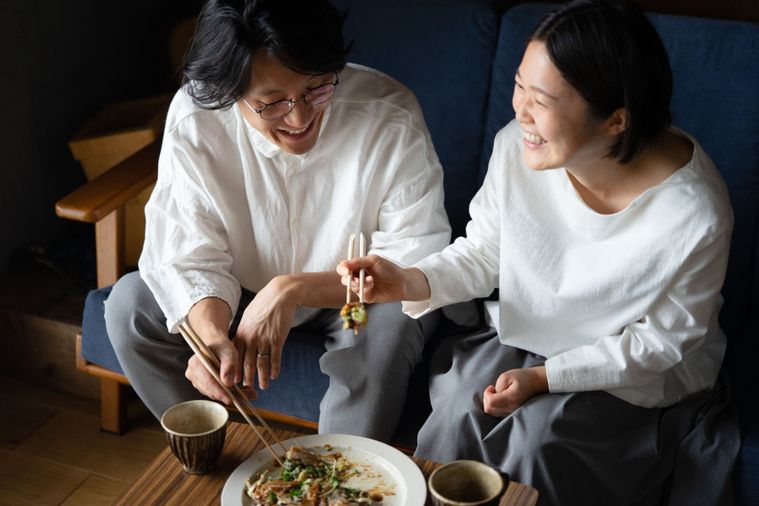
x,y
186,256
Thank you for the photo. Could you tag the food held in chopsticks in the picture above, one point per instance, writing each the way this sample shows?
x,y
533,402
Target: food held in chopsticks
x,y
354,313
308,478
354,316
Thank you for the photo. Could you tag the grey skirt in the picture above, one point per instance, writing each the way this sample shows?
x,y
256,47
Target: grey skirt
x,y
582,448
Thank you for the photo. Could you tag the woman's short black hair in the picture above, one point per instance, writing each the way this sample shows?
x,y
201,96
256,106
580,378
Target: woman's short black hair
x,y
304,35
612,55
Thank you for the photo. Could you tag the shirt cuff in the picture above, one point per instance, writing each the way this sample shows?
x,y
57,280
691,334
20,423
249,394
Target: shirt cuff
x,y
568,372
416,308
553,376
580,369
175,318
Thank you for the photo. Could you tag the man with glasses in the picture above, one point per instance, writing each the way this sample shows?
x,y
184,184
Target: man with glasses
x,y
275,152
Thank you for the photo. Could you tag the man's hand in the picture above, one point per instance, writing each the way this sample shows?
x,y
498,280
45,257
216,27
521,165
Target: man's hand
x,y
210,318
512,389
262,332
202,380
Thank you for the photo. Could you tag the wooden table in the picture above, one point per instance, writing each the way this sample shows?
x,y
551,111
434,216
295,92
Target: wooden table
x,y
163,481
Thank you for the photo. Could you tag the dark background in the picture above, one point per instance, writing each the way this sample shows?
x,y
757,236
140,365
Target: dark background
x,y
61,63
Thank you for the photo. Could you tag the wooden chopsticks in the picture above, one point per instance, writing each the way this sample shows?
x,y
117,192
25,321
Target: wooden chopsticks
x,y
362,272
211,363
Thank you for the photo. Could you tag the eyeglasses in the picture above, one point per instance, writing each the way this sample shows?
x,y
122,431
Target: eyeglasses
x,y
313,97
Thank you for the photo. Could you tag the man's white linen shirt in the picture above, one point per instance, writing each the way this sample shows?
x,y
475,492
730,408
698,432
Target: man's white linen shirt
x,y
232,209
624,302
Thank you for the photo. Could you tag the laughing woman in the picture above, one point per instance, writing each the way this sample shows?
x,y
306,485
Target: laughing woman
x,y
607,232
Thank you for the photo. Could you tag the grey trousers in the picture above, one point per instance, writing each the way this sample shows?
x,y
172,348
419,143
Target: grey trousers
x,y
585,448
368,373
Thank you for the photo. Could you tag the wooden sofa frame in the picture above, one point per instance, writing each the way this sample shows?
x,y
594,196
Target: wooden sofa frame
x,y
102,202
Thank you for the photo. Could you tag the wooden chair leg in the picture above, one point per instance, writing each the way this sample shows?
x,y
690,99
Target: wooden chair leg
x,y
113,406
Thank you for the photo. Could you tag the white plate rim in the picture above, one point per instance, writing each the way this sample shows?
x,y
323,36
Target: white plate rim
x,y
416,487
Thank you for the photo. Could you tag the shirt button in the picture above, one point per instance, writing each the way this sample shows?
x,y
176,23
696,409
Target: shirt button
x,y
295,221
289,172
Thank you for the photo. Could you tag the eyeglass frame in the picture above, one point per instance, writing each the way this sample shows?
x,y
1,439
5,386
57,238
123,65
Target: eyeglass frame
x,y
293,102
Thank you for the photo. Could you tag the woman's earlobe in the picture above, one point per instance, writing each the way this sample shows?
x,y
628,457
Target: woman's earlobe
x,y
618,121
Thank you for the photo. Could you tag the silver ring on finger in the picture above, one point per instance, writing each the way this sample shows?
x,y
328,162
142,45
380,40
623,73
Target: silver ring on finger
x,y
264,356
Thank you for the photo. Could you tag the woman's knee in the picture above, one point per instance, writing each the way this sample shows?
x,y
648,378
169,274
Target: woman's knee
x,y
457,406
454,414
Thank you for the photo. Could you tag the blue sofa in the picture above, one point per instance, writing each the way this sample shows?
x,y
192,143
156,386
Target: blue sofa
x,y
460,57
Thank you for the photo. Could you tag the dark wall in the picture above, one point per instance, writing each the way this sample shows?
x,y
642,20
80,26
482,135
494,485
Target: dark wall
x,y
62,62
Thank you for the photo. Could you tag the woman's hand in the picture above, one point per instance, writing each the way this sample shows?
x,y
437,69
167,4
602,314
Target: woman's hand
x,y
384,281
262,332
513,388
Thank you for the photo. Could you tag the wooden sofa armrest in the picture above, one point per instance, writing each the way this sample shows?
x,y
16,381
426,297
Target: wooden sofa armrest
x,y
101,201
113,188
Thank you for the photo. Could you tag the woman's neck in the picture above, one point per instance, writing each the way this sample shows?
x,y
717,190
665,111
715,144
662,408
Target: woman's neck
x,y
608,187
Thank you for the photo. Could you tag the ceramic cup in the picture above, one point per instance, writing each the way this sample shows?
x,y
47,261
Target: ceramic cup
x,y
466,483
195,431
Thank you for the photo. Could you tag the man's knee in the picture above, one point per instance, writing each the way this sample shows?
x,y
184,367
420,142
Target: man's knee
x,y
395,332
130,299
400,339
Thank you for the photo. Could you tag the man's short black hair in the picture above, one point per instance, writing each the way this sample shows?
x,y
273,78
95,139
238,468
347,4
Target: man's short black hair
x,y
304,35
612,55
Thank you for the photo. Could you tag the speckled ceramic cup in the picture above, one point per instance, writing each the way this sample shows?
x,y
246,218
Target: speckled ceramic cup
x,y
195,431
466,483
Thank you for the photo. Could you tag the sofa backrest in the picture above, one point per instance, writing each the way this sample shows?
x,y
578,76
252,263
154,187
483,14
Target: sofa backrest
x,y
442,50
715,65
716,98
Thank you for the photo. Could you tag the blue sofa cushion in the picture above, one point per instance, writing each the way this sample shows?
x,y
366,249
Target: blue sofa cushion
x,y
443,51
301,383
96,347
297,392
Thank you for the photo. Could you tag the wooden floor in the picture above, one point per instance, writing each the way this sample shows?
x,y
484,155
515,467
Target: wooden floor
x,y
52,451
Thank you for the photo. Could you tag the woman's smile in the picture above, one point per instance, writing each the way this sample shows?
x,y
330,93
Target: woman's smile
x,y
533,140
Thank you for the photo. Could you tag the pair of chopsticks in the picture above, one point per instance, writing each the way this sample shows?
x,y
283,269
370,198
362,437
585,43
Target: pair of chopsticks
x,y
211,363
361,253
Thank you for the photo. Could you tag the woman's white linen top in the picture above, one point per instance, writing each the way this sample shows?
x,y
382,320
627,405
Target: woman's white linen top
x,y
624,302
232,209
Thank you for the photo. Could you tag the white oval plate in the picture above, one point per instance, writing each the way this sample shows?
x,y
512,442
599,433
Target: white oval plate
x,y
390,465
